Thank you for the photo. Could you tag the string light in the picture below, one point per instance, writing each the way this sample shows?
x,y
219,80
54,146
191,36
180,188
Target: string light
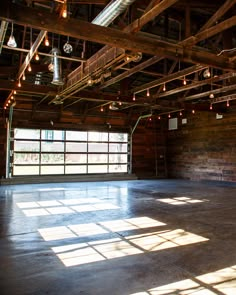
x,y
36,56
9,101
19,84
101,109
12,97
180,113
148,92
134,98
46,41
227,104
184,81
211,106
169,116
23,77
193,111
14,92
64,10
159,117
29,68
164,87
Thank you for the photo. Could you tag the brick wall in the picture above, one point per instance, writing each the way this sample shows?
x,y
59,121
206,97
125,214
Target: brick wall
x,y
204,148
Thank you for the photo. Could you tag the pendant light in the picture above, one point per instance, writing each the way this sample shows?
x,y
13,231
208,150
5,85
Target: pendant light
x,y
12,42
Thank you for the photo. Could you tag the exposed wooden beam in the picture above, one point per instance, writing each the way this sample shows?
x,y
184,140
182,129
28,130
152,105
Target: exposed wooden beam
x,y
207,33
168,78
218,14
150,15
195,84
130,72
87,31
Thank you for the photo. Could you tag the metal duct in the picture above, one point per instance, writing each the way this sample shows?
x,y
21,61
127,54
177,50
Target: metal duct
x,y
111,11
57,71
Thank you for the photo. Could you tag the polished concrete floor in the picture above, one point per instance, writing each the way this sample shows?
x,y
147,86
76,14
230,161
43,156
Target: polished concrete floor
x,y
158,237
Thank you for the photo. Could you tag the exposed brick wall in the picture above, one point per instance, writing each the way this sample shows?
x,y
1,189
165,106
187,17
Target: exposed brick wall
x,y
204,148
3,142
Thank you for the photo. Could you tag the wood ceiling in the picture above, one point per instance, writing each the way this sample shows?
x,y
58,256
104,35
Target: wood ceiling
x,y
123,68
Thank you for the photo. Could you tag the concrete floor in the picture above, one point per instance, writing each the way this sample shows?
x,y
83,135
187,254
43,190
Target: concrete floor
x,y
153,237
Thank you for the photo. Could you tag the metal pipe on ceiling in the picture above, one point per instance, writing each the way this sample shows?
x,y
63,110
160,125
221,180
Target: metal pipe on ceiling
x,y
111,11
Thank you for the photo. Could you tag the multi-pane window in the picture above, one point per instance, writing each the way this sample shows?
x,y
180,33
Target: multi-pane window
x,y
43,152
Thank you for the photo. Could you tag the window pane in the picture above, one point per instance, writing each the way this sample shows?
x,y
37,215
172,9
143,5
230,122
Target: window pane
x,y
117,168
76,158
25,170
97,136
76,169
122,137
97,158
52,169
23,158
97,147
97,168
52,158
118,148
26,146
73,147
27,133
118,158
52,146
53,134
76,135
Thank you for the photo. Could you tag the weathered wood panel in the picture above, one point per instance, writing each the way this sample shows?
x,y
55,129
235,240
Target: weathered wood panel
x,y
204,148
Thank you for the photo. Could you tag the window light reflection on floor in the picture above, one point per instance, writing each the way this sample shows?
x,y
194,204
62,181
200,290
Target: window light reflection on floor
x,y
180,201
129,245
219,282
52,207
89,229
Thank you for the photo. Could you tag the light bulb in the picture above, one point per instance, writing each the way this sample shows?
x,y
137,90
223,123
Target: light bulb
x,y
12,42
164,87
180,113
134,98
211,95
29,68
101,109
64,12
227,103
36,56
210,106
159,117
169,116
23,77
184,81
14,91
148,92
19,84
46,41
12,97
120,103
150,119
9,101
193,111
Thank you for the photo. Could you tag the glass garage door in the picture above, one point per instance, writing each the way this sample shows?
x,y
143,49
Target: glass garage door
x,y
47,152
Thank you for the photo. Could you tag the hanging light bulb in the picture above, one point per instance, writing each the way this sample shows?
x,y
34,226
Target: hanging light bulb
x,y
64,10
207,73
101,109
19,84
9,101
5,107
211,107
193,111
120,103
211,95
134,98
110,107
36,56
159,117
23,77
227,104
184,81
12,97
180,113
29,68
46,41
148,92
150,119
164,87
14,92
169,116
12,42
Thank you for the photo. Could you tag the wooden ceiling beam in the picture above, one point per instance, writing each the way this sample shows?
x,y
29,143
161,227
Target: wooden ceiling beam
x,y
218,14
87,31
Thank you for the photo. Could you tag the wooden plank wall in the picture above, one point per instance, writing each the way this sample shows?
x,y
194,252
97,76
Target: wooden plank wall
x,y
148,149
204,148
